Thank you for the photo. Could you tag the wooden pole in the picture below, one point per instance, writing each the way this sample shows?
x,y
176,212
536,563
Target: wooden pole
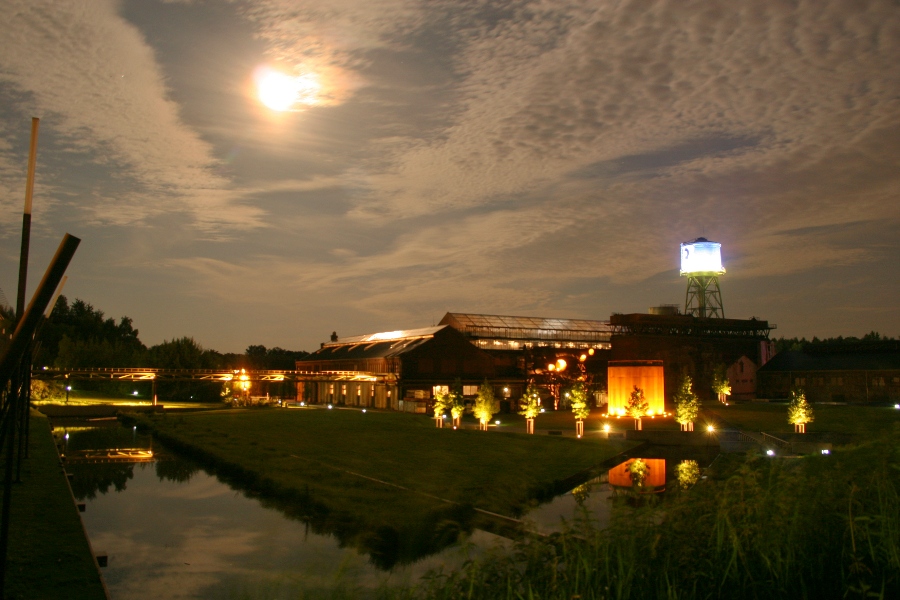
x,y
26,219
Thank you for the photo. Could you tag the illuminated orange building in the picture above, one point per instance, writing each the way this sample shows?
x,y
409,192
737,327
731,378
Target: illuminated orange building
x,y
624,375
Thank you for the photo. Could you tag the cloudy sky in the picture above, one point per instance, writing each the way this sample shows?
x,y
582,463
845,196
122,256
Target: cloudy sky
x,y
528,157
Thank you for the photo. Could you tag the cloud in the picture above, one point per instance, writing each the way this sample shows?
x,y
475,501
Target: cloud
x,y
96,83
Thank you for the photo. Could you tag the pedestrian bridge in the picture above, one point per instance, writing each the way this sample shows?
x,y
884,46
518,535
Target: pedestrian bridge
x,y
222,375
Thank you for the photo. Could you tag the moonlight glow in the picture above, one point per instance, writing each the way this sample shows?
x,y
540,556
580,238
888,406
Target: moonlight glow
x,y
282,92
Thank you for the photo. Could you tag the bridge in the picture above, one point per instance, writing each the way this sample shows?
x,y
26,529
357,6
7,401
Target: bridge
x,y
221,375
238,376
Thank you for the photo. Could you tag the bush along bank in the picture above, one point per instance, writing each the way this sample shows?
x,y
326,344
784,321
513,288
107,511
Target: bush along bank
x,y
819,527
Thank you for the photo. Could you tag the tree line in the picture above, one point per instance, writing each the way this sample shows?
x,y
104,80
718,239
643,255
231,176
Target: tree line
x,y
870,342
77,335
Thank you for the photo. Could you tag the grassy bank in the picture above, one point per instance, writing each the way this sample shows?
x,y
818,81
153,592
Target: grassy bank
x,y
862,421
388,483
49,556
821,527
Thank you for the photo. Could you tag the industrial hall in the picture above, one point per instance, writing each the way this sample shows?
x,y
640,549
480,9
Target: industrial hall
x,y
403,370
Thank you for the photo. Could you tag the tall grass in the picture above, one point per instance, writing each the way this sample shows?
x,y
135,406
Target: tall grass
x,y
818,527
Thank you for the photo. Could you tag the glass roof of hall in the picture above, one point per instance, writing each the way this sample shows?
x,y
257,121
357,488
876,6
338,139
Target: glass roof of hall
x,y
473,323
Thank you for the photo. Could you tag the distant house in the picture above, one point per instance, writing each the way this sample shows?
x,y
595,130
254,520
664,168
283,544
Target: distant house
x,y
742,378
833,375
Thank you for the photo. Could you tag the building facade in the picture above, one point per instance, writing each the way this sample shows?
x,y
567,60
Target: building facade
x,y
834,376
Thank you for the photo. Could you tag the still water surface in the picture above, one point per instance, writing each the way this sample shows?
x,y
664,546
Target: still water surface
x,y
173,530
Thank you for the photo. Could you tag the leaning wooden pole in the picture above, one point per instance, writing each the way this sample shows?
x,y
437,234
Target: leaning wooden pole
x,y
11,361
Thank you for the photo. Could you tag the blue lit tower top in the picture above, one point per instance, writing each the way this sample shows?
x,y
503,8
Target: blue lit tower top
x,y
701,263
702,257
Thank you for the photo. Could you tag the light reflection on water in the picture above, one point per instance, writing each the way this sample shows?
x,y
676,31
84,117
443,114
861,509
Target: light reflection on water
x,y
201,539
174,531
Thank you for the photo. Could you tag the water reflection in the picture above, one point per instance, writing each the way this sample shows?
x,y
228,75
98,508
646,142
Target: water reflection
x,y
643,475
403,541
593,500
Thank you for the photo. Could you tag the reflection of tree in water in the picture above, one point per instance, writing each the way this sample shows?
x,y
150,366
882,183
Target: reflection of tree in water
x,y
582,493
638,471
398,541
179,471
100,438
99,477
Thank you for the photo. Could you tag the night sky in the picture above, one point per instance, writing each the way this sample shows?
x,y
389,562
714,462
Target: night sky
x,y
540,158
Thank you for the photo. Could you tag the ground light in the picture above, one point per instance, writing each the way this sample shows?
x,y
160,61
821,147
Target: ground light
x,y
770,452
329,407
826,451
606,428
364,410
497,422
897,406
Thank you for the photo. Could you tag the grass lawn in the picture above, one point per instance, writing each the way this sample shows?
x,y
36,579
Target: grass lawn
x,y
49,556
772,418
369,477
318,449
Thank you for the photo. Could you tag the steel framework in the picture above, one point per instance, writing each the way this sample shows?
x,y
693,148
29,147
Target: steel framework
x,y
703,298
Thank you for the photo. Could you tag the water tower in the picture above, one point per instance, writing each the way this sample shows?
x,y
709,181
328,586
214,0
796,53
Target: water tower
x,y
701,263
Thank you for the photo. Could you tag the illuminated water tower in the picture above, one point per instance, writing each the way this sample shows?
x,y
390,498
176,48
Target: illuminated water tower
x,y
701,263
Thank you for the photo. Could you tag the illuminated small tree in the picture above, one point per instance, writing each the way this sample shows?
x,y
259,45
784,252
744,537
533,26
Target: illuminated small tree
x,y
441,405
530,405
687,405
720,384
637,406
486,405
580,408
688,473
457,405
800,411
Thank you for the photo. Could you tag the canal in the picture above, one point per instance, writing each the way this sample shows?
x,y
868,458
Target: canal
x,y
173,529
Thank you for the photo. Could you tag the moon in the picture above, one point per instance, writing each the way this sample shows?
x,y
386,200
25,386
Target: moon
x,y
281,92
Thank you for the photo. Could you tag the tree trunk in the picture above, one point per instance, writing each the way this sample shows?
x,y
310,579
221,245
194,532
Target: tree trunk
x,y
529,426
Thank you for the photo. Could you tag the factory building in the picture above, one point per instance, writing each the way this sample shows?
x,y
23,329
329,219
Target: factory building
x,y
853,375
402,370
